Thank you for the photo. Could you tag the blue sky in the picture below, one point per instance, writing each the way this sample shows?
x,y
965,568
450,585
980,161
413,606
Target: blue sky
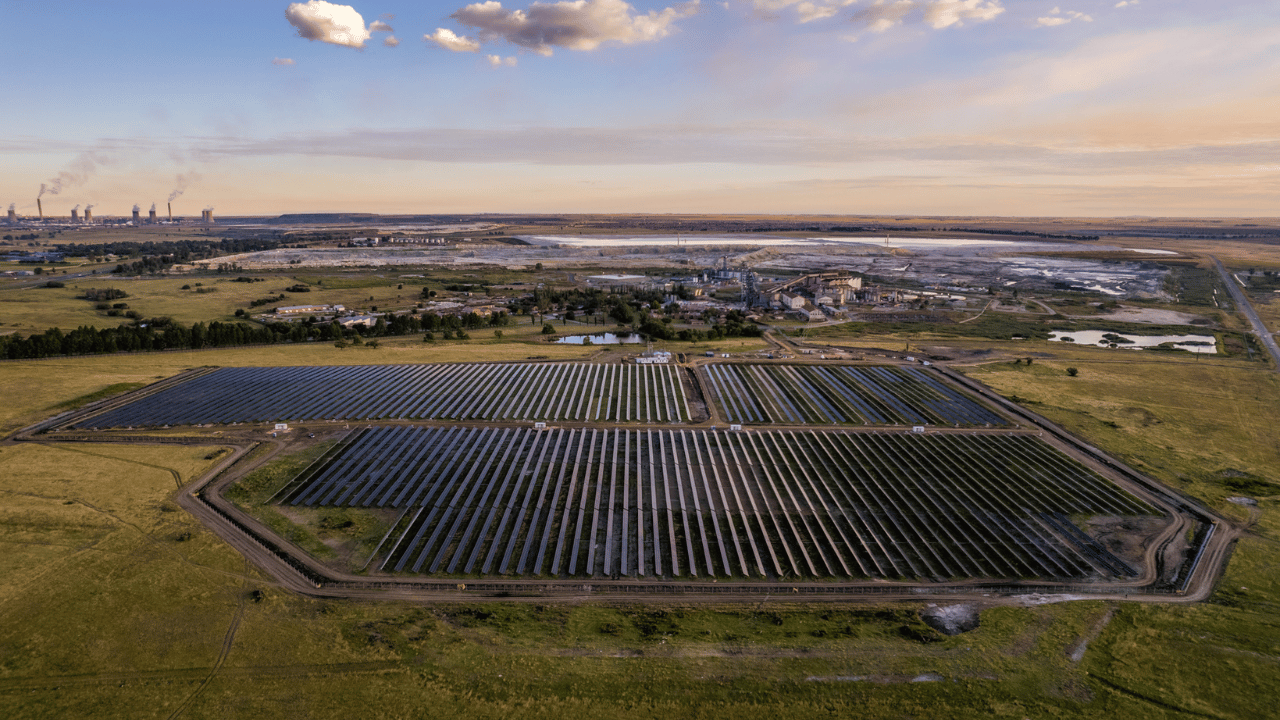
x,y
961,107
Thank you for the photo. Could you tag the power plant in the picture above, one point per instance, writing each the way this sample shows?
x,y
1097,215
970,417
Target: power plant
x,y
206,216
151,218
137,217
13,216
88,214
75,214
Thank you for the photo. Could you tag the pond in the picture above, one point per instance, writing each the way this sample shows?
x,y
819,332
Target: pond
x,y
602,339
1204,344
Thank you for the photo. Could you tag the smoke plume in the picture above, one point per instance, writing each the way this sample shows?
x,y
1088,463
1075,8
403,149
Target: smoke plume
x,y
78,171
181,183
153,207
87,208
13,207
75,209
136,208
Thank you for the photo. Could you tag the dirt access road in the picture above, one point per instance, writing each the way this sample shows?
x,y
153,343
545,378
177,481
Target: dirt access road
x,y
1242,302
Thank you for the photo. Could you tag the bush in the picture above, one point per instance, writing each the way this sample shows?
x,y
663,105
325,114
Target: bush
x,y
548,329
1073,371
54,284
428,336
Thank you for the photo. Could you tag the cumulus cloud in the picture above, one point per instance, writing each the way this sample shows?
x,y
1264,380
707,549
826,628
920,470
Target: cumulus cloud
x,y
498,61
571,24
806,10
446,39
945,13
884,15
326,22
379,26
283,61
391,41
1058,17
939,14
1126,3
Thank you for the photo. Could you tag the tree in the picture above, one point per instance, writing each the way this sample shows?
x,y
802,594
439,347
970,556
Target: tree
x,y
548,329
497,334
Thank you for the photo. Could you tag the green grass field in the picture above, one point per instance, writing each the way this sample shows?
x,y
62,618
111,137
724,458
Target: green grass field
x,y
115,603
147,601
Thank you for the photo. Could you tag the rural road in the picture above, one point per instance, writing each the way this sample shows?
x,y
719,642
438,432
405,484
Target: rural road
x,y
1242,302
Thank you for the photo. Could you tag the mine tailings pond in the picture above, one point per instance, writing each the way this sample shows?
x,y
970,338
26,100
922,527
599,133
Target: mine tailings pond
x,y
1204,344
602,339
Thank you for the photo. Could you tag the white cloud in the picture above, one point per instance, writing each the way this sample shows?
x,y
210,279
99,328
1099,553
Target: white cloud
x,y
806,10
498,61
391,41
1126,3
945,13
571,24
446,39
282,61
939,14
326,22
884,15
379,26
1058,17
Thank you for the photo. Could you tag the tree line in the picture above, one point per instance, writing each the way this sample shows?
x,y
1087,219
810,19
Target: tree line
x,y
155,334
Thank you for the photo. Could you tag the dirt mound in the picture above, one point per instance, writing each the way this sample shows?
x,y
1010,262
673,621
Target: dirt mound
x,y
951,619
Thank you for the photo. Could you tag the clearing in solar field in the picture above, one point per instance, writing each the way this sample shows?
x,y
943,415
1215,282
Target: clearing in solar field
x,y
480,391
760,504
840,394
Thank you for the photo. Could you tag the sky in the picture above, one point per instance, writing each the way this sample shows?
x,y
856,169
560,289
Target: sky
x,y
882,107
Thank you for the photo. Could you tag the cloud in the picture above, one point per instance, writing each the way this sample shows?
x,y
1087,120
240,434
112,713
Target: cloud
x,y
806,10
283,61
571,24
498,61
1127,3
449,41
939,14
391,41
379,26
884,15
945,13
326,22
1058,17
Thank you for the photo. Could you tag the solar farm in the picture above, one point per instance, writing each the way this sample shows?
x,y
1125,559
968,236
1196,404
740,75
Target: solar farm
x,y
469,391
809,394
673,503
582,470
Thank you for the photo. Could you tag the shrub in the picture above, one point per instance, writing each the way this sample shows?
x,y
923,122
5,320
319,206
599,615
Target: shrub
x,y
1073,371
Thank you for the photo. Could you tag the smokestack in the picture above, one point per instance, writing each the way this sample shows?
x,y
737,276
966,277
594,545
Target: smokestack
x,y
207,216
75,213
152,217
171,212
88,214
137,218
13,215
40,207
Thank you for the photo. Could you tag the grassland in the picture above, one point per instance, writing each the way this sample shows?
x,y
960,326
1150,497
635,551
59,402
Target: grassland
x,y
150,606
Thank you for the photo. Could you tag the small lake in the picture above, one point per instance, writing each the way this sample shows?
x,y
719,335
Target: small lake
x,y
1190,343
602,339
